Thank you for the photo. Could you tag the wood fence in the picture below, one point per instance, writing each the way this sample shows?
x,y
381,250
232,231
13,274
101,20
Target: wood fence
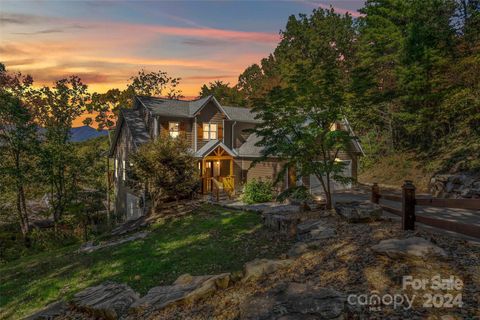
x,y
409,217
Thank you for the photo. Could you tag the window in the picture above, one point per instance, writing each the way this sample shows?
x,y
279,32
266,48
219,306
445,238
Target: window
x,y
174,129
124,175
209,131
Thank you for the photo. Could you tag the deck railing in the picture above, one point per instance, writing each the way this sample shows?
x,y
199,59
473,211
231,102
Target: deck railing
x,y
214,185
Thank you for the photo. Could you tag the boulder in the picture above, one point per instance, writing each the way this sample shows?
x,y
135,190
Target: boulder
x,y
460,185
308,226
186,288
359,211
297,249
283,209
51,311
285,224
258,268
297,301
108,301
414,247
322,233
256,308
325,303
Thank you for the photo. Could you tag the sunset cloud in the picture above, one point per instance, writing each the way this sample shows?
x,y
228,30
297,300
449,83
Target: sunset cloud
x,y
105,43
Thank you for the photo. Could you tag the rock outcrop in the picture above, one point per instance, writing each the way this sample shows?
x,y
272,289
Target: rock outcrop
x,y
312,230
414,247
258,268
297,249
108,301
295,301
186,288
283,223
359,211
51,311
89,247
455,186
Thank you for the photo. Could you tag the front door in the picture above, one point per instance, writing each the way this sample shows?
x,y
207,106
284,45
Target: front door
x,y
208,174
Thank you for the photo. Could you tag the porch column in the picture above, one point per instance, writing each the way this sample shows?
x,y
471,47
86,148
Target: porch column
x,y
202,173
231,167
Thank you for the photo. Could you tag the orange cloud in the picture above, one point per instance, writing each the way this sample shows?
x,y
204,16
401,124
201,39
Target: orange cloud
x,y
105,54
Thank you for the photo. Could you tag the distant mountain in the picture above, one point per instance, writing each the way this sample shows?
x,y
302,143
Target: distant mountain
x,y
84,133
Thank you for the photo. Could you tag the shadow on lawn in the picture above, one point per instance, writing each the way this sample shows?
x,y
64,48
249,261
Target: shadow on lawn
x,y
213,242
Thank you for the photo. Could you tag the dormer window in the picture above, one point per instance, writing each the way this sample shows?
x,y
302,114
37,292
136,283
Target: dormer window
x,y
174,129
209,131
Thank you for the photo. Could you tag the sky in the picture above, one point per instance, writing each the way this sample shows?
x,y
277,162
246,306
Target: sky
x,y
107,42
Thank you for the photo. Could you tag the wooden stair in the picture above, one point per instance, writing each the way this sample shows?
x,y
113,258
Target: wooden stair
x,y
218,192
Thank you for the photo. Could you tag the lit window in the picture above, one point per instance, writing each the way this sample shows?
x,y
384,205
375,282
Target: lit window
x,y
124,175
116,168
209,131
174,129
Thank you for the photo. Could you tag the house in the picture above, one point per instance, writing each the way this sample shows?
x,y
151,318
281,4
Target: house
x,y
218,137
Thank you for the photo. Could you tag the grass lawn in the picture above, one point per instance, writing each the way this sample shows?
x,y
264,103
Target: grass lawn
x,y
212,240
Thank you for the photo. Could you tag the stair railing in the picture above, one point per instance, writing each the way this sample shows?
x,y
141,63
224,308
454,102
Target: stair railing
x,y
229,185
216,186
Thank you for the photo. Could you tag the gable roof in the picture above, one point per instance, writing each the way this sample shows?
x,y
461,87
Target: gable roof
x,y
190,108
210,146
249,148
355,141
241,114
133,120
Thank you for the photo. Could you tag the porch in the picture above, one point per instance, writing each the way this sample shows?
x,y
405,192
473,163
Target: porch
x,y
216,172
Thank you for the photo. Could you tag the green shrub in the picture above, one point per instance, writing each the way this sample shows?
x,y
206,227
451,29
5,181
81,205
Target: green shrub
x,y
298,194
257,191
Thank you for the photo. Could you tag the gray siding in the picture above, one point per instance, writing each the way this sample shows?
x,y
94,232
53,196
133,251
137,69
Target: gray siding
x,y
266,170
123,149
186,127
240,136
209,114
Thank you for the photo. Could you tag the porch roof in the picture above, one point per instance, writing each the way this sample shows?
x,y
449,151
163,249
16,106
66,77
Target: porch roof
x,y
210,146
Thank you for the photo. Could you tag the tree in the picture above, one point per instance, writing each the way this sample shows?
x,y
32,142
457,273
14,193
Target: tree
x,y
225,94
404,52
425,58
257,80
57,107
155,83
297,119
375,96
168,168
18,141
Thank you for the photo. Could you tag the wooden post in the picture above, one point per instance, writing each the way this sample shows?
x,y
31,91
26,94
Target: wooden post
x,y
408,206
204,184
108,191
375,198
